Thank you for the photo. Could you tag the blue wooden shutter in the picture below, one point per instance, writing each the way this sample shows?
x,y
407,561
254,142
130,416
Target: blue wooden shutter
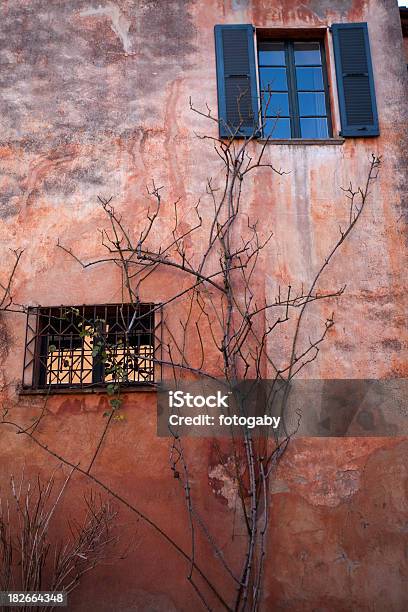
x,y
355,80
236,80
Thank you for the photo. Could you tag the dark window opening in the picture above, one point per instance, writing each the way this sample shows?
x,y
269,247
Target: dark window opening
x,y
294,90
85,346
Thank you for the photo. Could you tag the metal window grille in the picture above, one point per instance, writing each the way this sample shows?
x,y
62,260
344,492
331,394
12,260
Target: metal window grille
x,y
85,346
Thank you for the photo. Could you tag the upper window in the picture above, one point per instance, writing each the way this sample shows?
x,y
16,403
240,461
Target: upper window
x,y
293,87
286,83
85,346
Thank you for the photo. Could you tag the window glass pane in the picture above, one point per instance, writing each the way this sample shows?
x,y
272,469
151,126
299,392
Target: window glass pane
x,y
271,53
312,104
314,128
307,53
309,78
277,128
273,79
275,104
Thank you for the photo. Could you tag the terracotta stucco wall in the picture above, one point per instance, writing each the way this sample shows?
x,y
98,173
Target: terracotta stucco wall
x,y
96,101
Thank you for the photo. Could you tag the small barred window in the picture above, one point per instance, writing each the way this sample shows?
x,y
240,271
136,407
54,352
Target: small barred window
x,y
85,346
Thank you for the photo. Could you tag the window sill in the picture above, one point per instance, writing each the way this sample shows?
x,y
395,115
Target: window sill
x,y
303,141
88,390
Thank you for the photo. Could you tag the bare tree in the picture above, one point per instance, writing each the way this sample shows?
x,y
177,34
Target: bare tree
x,y
215,261
32,558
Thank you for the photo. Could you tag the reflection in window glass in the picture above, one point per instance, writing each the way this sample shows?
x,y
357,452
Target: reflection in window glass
x,y
307,53
314,128
312,104
310,79
273,79
293,89
271,53
275,104
277,128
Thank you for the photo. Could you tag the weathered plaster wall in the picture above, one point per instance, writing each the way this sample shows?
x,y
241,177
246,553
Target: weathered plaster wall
x,y
95,101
